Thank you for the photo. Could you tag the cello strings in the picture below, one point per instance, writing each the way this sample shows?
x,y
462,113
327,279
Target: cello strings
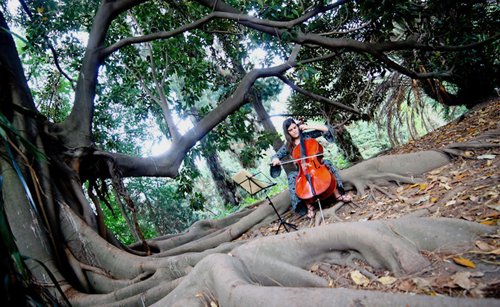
x,y
295,160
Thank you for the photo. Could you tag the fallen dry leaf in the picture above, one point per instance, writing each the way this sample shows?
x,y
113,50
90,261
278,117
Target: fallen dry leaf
x,y
489,223
443,179
496,251
425,206
430,186
462,280
421,282
422,199
491,194
489,157
465,262
481,187
476,274
314,268
436,171
387,280
445,186
485,247
406,286
451,202
459,177
330,282
359,278
496,207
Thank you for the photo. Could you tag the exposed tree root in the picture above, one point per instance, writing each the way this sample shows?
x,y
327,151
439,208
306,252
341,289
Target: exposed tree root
x,y
336,277
211,262
259,271
175,280
332,212
236,272
347,259
398,168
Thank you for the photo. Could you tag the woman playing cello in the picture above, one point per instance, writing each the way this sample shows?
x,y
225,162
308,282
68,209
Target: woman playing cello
x,y
292,136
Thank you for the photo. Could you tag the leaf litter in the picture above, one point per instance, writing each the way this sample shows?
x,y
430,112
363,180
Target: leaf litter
x,y
467,188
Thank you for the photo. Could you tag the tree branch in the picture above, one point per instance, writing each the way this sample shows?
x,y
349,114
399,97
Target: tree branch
x,y
238,17
413,44
375,49
168,163
162,101
347,31
221,6
54,53
318,97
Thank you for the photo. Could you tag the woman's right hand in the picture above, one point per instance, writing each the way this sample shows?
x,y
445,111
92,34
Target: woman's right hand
x,y
275,161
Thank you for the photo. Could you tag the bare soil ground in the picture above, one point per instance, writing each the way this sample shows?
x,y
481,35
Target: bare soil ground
x,y
467,188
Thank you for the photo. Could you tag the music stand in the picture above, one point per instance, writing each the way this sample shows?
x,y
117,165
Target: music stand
x,y
253,186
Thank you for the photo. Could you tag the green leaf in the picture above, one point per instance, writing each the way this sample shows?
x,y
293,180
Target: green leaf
x,y
22,39
51,276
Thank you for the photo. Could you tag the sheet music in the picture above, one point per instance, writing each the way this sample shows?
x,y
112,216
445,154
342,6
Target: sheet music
x,y
247,181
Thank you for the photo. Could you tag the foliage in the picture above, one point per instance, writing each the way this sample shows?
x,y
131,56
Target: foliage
x,y
373,138
369,138
441,22
251,199
357,79
107,74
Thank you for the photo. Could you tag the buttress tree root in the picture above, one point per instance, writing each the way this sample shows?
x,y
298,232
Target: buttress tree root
x,y
274,270
210,263
237,273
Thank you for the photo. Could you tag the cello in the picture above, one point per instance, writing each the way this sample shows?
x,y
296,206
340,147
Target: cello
x,y
315,181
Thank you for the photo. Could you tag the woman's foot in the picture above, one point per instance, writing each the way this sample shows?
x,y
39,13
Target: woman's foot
x,y
344,198
310,211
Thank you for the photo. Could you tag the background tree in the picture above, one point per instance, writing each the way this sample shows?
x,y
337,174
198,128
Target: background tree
x,y
57,225
358,79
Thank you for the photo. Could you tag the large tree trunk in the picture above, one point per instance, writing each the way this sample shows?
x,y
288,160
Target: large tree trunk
x,y
269,127
350,150
472,93
225,187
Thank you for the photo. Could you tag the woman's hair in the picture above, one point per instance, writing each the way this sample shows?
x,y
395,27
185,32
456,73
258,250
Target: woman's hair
x,y
289,142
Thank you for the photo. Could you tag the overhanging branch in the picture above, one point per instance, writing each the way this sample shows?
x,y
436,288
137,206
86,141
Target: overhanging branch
x,y
318,97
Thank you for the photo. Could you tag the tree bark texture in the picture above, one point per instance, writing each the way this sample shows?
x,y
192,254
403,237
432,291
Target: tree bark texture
x,y
225,187
350,150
